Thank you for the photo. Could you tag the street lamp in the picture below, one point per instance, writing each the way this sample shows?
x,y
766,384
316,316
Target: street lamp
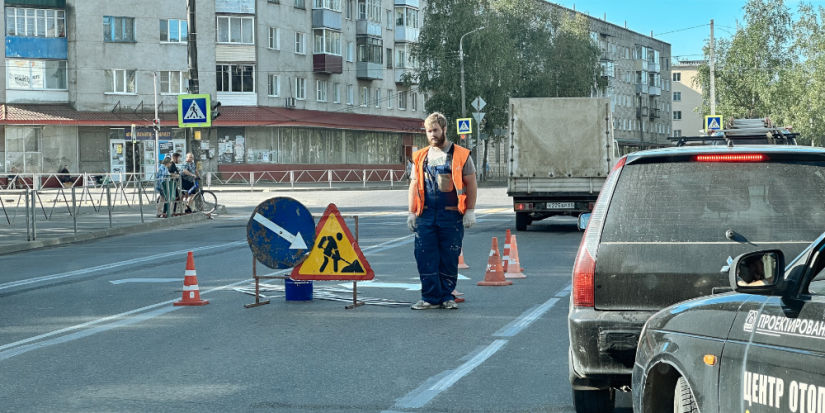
x,y
461,58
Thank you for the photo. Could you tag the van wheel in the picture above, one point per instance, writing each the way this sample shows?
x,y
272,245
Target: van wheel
x,y
522,221
594,401
683,401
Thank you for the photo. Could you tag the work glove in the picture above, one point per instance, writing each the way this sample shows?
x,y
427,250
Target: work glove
x,y
469,218
411,221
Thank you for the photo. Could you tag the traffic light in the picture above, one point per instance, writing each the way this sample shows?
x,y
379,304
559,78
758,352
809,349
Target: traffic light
x,y
156,124
214,110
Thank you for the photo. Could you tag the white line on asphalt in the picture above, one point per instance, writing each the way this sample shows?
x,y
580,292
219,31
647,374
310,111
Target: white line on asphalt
x,y
408,287
110,266
146,280
5,354
421,396
532,314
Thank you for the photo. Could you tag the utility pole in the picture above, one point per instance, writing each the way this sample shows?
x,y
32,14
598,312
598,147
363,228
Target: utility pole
x,y
463,99
194,83
156,123
712,72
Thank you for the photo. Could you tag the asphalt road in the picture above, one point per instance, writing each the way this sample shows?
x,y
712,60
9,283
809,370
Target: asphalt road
x,y
90,327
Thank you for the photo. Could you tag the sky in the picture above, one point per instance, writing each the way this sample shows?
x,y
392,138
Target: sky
x,y
664,16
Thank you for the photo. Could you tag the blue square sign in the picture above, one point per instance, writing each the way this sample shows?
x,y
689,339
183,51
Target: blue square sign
x,y
193,111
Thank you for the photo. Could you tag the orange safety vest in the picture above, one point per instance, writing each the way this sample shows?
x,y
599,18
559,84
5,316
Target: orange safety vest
x,y
460,156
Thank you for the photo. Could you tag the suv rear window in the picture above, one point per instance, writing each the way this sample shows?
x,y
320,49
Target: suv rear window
x,y
698,202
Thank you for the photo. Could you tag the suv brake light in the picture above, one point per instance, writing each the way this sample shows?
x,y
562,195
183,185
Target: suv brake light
x,y
584,271
741,157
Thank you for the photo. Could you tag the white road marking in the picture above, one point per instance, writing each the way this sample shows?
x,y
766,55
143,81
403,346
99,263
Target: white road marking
x,y
408,287
524,320
146,280
297,241
111,266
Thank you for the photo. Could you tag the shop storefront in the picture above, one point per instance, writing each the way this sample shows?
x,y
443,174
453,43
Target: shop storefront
x,y
126,157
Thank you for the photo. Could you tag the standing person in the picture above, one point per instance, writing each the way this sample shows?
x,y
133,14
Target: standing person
x,y
442,199
189,174
163,176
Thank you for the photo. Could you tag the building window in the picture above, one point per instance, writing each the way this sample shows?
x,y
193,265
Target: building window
x,y
414,101
677,77
350,95
406,17
369,10
118,29
300,88
334,5
299,4
274,38
120,81
677,96
173,31
350,51
389,58
677,133
238,30
349,9
365,97
35,22
174,82
389,19
300,43
389,99
321,90
377,98
327,41
402,100
36,74
677,115
370,50
336,93
273,85
400,57
235,78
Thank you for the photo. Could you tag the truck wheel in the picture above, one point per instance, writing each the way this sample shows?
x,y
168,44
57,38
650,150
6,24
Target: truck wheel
x,y
522,221
683,401
594,401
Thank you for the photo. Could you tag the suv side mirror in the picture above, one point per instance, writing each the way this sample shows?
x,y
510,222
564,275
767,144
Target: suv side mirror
x,y
759,272
583,220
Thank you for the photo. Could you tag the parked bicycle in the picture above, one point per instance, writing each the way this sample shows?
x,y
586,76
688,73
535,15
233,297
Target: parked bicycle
x,y
204,201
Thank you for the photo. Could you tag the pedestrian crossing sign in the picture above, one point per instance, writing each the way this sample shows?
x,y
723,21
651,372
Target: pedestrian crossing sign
x,y
713,123
336,255
464,126
194,111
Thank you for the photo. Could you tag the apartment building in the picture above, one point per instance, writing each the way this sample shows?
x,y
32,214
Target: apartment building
x,y
304,84
686,98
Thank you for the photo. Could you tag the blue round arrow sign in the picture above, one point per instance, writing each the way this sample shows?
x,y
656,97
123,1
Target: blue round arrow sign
x,y
280,233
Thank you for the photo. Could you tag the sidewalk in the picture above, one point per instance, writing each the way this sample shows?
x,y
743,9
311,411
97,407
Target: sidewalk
x,y
60,229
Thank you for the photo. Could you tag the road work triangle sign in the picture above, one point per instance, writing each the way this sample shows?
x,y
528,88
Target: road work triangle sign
x,y
336,255
194,112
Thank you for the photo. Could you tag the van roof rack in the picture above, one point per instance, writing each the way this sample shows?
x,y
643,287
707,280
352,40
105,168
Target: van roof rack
x,y
742,130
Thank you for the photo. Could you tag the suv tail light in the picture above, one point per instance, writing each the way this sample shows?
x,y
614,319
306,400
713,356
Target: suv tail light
x,y
584,271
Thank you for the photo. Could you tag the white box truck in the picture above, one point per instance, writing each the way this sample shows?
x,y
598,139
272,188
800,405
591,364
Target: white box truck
x,y
561,153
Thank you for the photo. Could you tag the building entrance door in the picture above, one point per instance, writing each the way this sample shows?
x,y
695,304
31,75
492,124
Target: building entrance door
x,y
134,158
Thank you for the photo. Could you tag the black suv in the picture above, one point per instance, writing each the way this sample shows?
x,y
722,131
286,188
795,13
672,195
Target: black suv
x,y
665,223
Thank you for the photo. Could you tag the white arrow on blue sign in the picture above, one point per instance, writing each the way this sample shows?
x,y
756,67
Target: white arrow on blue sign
x,y
279,232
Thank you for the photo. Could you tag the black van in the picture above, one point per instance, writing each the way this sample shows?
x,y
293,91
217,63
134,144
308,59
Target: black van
x,y
663,228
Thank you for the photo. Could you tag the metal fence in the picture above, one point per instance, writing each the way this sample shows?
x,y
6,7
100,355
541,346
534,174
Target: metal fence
x,y
322,176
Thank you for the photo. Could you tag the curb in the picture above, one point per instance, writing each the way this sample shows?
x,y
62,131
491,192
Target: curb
x,y
132,229
287,189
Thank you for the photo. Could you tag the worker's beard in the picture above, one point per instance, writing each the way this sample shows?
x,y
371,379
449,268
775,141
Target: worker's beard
x,y
438,141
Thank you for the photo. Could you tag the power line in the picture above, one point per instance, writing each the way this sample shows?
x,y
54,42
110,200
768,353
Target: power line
x,y
681,30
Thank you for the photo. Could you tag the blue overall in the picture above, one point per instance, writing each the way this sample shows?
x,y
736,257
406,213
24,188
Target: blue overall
x,y
438,234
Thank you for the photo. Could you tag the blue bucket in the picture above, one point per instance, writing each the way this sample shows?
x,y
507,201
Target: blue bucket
x,y
298,290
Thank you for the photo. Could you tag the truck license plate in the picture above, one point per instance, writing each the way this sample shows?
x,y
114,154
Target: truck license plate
x,y
560,205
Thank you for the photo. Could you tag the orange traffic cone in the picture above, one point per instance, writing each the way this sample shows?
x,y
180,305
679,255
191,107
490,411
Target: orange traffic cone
x,y
505,261
459,297
495,274
513,268
191,293
461,264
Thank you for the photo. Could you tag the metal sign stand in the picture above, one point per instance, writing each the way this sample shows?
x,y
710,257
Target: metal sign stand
x,y
355,302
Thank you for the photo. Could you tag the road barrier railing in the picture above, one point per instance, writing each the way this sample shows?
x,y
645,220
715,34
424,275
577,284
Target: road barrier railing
x,y
320,176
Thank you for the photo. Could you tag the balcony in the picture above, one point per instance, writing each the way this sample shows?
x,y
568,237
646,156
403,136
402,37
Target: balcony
x,y
58,4
654,90
406,34
37,47
641,112
235,6
326,18
411,3
369,71
655,113
368,28
642,88
399,73
639,64
327,63
653,67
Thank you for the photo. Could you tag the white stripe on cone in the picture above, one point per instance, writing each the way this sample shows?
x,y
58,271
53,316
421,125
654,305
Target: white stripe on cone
x,y
190,272
190,287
